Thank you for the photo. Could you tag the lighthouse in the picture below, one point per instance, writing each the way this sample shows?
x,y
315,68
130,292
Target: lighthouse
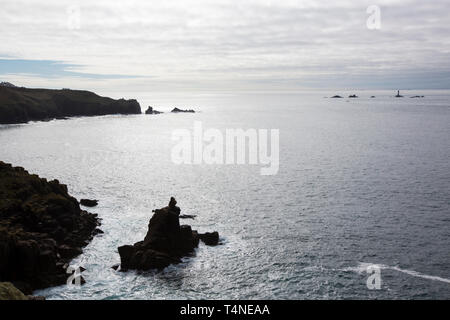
x,y
398,94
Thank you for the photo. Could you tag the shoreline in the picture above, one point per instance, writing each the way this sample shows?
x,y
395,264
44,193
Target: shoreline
x,y
21,105
42,229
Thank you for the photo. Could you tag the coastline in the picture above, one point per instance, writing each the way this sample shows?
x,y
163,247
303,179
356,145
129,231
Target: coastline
x,y
21,105
42,229
12,154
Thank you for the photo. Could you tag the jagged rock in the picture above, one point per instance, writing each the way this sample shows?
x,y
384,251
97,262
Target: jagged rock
x,y
97,231
176,110
150,110
41,228
210,238
88,202
165,243
353,96
116,266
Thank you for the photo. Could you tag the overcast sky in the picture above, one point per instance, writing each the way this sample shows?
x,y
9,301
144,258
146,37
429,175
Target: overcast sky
x,y
224,45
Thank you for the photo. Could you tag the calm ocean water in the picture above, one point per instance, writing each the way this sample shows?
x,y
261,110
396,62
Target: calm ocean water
x,y
361,181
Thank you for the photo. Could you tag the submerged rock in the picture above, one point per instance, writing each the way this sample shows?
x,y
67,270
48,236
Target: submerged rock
x,y
166,242
41,229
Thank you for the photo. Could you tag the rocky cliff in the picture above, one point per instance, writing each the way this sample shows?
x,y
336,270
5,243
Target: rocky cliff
x,y
165,243
19,105
41,229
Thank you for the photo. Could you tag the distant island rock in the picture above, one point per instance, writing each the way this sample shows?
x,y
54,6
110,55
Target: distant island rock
x,y
418,97
150,110
176,110
353,96
20,105
336,96
41,229
166,242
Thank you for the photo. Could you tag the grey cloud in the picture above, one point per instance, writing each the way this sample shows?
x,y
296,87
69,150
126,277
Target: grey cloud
x,y
254,41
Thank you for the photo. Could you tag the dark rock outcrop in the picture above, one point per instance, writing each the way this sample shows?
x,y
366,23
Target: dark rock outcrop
x,y
88,202
187,216
166,242
176,110
398,94
116,266
41,229
20,105
336,96
353,96
150,110
210,238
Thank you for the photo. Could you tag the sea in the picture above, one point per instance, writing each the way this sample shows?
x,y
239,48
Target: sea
x,y
359,207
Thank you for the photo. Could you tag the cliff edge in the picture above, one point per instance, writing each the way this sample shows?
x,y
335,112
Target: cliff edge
x,y
41,229
20,105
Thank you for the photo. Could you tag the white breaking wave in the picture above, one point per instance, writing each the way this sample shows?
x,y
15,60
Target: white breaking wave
x,y
362,267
